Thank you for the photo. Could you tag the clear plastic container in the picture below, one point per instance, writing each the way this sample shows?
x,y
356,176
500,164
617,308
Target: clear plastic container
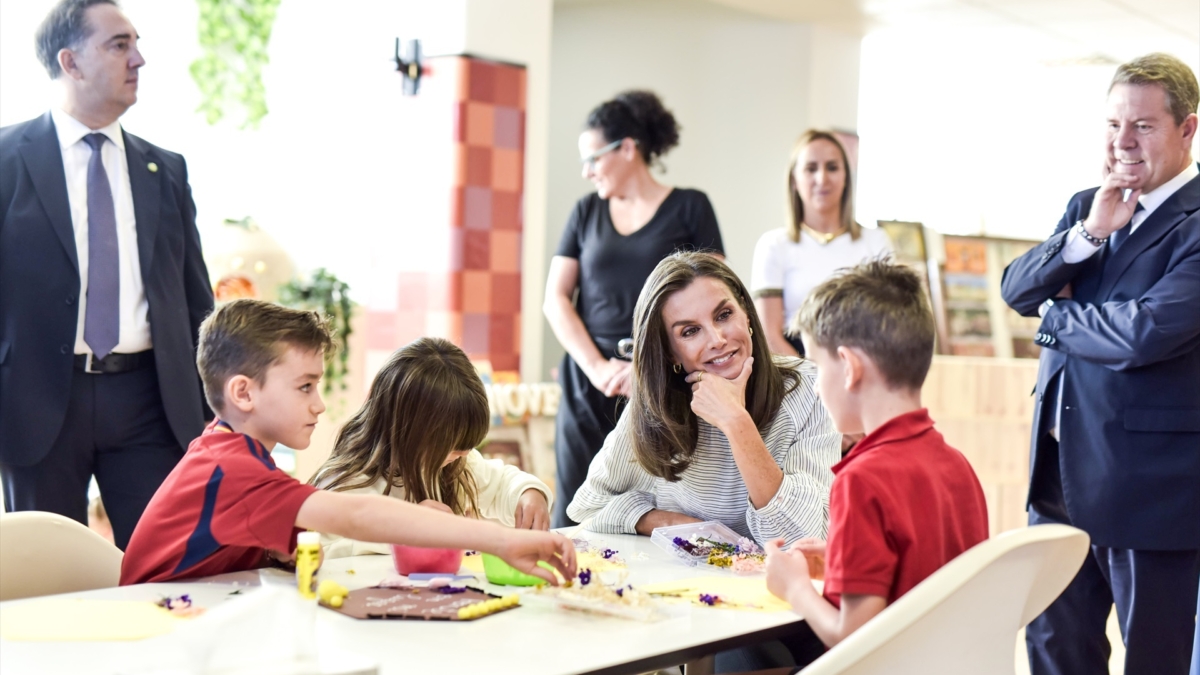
x,y
664,538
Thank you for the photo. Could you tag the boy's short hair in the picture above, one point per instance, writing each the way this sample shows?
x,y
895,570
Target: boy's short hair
x,y
881,308
246,337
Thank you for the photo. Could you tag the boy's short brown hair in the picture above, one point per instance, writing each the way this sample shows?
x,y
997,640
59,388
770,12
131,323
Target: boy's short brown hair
x,y
246,337
881,308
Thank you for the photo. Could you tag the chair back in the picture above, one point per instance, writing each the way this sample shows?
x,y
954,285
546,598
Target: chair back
x,y
45,553
964,618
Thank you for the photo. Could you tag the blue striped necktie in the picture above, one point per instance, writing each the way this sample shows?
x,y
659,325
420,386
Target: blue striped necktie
x,y
102,319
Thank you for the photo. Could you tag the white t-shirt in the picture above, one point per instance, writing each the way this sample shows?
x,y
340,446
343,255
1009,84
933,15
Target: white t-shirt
x,y
796,268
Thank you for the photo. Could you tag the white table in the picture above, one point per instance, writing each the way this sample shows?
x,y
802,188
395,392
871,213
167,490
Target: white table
x,y
531,640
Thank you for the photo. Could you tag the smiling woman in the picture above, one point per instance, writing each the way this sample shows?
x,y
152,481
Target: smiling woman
x,y
713,432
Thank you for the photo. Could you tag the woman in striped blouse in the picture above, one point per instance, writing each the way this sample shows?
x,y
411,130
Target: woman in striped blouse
x,y
716,429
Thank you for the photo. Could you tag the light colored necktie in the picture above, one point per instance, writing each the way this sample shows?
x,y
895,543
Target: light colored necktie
x,y
102,320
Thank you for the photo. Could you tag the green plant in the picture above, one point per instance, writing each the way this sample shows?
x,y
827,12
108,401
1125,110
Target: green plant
x,y
327,294
233,35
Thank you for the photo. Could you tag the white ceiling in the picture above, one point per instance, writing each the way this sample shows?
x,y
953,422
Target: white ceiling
x,y
1058,31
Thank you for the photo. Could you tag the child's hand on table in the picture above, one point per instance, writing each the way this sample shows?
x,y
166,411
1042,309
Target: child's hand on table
x,y
524,548
533,512
785,569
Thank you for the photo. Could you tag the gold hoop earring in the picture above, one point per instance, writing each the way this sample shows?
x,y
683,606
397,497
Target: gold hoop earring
x,y
677,368
751,331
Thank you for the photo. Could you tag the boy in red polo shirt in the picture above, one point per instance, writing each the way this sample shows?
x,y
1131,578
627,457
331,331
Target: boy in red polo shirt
x,y
227,507
903,503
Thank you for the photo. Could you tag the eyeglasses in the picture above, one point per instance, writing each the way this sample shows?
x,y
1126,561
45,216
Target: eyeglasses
x,y
590,160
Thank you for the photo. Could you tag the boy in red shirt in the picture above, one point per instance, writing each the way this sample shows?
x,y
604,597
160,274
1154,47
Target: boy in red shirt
x,y
903,503
227,507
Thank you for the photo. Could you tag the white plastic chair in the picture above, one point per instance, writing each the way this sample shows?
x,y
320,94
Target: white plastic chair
x,y
964,618
45,553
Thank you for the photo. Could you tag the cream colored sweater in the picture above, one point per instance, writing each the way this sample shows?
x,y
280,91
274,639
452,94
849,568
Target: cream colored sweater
x,y
500,486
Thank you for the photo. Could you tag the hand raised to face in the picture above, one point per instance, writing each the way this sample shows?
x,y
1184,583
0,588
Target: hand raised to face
x,y
717,400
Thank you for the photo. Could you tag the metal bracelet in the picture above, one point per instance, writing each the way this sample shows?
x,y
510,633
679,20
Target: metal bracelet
x,y
1094,241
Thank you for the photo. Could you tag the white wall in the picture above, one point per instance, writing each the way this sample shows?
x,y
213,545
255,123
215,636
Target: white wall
x,y
741,86
968,135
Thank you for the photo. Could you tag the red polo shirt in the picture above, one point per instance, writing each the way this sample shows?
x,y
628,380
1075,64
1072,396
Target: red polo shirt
x,y
903,504
219,510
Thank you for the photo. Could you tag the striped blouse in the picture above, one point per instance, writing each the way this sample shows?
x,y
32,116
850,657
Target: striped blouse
x,y
801,438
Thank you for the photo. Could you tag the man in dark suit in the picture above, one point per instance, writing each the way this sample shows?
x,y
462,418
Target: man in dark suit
x,y
102,286
1116,432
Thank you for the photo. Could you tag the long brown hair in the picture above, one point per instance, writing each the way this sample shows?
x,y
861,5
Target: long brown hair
x,y
796,205
426,402
663,426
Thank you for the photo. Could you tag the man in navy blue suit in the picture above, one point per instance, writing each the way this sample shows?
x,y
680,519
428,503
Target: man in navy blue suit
x,y
102,286
1116,432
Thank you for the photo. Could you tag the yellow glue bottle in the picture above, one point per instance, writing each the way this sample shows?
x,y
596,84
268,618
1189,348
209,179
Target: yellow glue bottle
x,y
308,558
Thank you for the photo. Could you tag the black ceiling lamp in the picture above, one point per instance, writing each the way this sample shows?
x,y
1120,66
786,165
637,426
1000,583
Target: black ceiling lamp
x,y
409,66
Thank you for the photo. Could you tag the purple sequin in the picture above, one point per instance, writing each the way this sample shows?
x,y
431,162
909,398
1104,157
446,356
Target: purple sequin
x,y
447,590
709,600
585,577
607,553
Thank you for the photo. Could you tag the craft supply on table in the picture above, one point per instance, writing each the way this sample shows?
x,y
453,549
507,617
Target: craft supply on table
x,y
625,602
722,592
711,543
331,594
501,573
417,559
308,560
430,604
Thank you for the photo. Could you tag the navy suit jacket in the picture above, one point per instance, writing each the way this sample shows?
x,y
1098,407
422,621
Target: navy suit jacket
x,y
1128,343
40,284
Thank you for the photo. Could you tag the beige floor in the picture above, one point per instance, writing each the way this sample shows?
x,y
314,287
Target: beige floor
x,y
1116,664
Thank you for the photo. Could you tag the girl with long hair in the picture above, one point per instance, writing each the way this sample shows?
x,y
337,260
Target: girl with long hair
x,y
414,439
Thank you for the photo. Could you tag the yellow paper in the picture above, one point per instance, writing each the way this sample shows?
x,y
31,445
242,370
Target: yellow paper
x,y
72,620
744,593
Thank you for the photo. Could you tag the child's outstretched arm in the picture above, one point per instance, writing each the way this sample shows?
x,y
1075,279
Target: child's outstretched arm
x,y
788,578
382,519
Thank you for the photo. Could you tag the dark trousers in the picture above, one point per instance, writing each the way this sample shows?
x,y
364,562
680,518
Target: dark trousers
x,y
585,418
115,429
1154,592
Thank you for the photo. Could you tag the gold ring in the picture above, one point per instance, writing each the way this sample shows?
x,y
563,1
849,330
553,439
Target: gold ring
x,y
699,375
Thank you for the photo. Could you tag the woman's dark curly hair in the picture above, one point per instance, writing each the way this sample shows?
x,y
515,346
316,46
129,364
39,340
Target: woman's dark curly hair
x,y
639,115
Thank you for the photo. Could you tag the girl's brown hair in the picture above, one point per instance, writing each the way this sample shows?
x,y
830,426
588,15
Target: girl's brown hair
x,y
796,205
662,424
426,402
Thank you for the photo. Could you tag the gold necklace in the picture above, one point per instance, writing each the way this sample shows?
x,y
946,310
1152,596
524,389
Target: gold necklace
x,y
822,238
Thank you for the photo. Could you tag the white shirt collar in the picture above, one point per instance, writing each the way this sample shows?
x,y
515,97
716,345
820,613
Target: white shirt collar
x,y
71,131
1153,199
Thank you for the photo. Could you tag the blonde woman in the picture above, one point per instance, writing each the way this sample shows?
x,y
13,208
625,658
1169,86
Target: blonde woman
x,y
821,236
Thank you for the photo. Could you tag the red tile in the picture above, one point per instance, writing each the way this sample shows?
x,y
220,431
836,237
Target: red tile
x,y
506,363
457,206
459,125
476,293
477,208
506,294
507,168
475,335
500,334
506,210
481,81
461,158
509,91
507,127
523,85
479,166
506,251
481,124
477,250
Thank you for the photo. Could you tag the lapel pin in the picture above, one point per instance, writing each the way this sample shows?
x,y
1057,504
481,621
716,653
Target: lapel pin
x,y
153,167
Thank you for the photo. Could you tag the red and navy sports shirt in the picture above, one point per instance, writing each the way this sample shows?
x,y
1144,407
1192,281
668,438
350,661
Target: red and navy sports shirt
x,y
222,507
903,504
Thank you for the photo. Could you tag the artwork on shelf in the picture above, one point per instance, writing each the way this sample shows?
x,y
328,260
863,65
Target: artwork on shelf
x,y
910,247
908,240
977,320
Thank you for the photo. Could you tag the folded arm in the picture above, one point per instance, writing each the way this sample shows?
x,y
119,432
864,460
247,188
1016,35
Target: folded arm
x,y
617,492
